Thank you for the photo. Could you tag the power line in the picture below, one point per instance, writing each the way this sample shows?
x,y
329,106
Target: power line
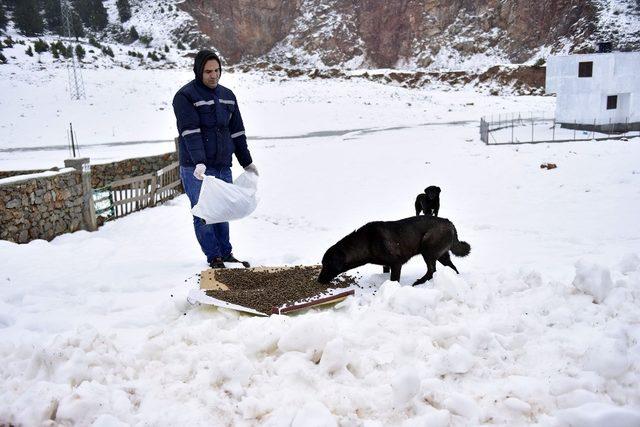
x,y
74,72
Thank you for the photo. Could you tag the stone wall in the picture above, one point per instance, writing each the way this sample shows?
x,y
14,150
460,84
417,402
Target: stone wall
x,y
41,207
45,204
7,174
103,174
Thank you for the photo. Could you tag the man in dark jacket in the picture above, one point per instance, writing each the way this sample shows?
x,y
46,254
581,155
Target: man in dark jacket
x,y
211,131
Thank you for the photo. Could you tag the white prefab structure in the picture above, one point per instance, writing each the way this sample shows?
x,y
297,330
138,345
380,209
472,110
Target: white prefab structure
x,y
600,90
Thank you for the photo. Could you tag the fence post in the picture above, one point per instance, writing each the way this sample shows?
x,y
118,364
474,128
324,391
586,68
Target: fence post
x,y
626,126
83,166
512,140
553,134
531,127
154,187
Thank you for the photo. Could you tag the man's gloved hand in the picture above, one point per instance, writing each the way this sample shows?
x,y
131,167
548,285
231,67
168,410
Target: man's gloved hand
x,y
252,168
199,171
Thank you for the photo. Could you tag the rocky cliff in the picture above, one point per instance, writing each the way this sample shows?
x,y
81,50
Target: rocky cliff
x,y
432,34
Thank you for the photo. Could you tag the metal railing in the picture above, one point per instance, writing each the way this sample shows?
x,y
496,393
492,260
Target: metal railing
x,y
534,128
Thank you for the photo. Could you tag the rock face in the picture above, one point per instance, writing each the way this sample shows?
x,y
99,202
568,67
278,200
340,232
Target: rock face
x,y
400,33
240,28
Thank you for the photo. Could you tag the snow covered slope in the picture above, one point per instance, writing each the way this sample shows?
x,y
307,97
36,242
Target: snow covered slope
x,y
426,35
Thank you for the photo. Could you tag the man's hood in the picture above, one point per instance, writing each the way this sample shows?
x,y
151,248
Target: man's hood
x,y
201,58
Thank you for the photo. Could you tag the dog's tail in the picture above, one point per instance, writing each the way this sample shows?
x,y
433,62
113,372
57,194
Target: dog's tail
x,y
459,248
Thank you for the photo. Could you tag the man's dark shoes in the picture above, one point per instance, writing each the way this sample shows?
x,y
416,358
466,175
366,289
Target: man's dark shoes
x,y
217,263
231,258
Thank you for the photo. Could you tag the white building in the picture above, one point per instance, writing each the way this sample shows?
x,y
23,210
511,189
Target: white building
x,y
598,89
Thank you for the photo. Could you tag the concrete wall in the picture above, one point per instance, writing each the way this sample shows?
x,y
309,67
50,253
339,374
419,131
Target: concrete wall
x,y
584,99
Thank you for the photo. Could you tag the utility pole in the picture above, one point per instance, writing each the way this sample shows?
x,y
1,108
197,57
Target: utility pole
x,y
74,72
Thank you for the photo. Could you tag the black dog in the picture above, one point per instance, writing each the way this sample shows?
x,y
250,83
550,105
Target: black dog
x,y
429,201
392,244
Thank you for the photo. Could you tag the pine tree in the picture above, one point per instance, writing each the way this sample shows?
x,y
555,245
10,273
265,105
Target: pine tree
x,y
83,9
53,16
54,50
40,46
77,29
3,17
133,34
99,16
80,52
146,39
27,17
67,52
92,13
107,51
124,10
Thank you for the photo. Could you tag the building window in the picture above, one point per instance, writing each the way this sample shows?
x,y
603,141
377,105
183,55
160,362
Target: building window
x,y
585,69
612,102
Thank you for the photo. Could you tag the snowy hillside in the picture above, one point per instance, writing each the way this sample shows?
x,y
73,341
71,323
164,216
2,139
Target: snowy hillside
x,y
438,36
160,45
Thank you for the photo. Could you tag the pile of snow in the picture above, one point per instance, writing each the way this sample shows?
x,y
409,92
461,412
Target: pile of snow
x,y
593,280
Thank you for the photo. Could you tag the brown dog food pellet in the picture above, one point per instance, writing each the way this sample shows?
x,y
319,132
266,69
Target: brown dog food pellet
x,y
263,290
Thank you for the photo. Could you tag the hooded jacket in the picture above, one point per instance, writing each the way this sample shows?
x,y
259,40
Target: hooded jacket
x,y
209,122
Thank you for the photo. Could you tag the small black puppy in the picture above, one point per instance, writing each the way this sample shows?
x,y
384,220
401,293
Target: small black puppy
x,y
393,243
429,201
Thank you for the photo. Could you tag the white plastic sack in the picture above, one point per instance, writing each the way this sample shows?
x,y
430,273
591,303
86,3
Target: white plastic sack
x,y
221,202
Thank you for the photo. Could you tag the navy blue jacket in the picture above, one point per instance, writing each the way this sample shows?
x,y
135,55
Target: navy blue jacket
x,y
210,126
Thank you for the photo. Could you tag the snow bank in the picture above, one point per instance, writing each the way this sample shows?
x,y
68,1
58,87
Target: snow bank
x,y
593,280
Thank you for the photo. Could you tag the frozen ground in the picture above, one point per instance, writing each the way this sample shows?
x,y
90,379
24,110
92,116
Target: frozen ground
x,y
541,328
134,106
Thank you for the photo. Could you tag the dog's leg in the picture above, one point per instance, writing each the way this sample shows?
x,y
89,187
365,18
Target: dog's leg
x,y
386,269
446,261
431,268
395,272
420,281
418,208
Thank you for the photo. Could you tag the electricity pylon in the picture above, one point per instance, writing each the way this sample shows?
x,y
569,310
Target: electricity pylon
x,y
74,72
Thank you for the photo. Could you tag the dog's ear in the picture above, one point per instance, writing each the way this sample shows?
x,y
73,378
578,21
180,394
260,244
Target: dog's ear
x,y
426,190
438,189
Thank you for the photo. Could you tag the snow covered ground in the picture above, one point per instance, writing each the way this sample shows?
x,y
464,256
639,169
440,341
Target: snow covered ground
x,y
540,328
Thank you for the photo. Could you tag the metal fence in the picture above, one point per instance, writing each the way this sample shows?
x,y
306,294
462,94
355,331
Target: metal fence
x,y
534,128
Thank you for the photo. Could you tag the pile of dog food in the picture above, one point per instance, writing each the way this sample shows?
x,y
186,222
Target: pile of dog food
x,y
264,290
